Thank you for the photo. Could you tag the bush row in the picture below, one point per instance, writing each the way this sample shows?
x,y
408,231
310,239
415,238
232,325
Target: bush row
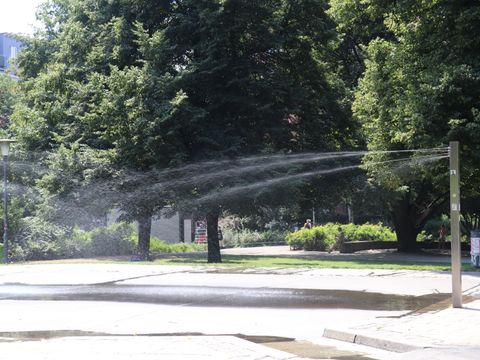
x,y
158,246
322,238
40,240
249,238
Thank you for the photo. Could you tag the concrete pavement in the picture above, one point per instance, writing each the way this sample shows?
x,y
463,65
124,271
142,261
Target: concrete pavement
x,y
116,330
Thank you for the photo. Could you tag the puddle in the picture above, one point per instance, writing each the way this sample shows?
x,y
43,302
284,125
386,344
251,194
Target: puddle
x,y
8,336
224,296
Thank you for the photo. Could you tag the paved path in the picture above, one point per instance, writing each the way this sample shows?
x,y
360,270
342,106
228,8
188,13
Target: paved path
x,y
112,329
371,255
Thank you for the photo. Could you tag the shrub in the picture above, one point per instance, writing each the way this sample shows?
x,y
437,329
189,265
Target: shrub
x,y
424,237
38,239
367,232
42,240
321,238
317,238
159,246
115,239
273,237
241,238
249,238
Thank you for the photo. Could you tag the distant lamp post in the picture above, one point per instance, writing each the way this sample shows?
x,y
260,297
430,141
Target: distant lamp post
x,y
5,149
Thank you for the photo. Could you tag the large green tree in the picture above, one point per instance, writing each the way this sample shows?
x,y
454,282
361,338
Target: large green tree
x,y
81,76
158,84
421,90
252,77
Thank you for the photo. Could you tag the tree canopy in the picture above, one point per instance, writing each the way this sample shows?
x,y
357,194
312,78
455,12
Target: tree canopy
x,y
420,90
131,94
158,84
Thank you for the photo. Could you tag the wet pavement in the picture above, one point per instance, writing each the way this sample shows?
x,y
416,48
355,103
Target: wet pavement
x,y
223,296
116,311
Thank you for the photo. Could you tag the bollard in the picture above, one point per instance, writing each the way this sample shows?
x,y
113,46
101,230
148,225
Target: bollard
x,y
475,247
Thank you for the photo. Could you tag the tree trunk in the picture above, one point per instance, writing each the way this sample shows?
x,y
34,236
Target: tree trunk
x,y
144,230
214,255
406,228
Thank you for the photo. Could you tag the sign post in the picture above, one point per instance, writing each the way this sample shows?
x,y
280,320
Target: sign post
x,y
455,225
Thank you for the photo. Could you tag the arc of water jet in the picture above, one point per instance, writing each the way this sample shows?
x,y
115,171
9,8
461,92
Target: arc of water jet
x,y
199,179
256,185
264,183
283,160
291,158
407,151
280,160
201,166
232,171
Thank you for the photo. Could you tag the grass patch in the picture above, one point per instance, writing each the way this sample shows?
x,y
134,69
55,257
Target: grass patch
x,y
289,262
260,261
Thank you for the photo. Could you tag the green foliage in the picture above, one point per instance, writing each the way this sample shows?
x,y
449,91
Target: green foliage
x,y
115,239
315,239
161,83
142,84
8,98
240,238
367,232
417,94
273,237
261,218
358,23
250,238
73,166
424,237
158,246
76,188
38,239
321,238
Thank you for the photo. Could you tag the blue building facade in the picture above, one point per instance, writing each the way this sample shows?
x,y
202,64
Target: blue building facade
x,y
9,49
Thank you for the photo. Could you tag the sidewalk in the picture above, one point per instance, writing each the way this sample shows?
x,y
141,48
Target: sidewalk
x,y
437,326
189,331
426,333
391,255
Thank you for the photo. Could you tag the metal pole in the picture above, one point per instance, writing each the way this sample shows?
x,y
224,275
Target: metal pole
x,y
455,225
5,218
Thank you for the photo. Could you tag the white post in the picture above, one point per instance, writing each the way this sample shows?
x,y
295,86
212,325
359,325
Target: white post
x,y
455,225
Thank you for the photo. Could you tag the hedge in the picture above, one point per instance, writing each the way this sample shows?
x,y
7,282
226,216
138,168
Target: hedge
x,y
322,238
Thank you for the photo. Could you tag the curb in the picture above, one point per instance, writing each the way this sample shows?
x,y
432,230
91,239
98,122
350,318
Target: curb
x,y
378,343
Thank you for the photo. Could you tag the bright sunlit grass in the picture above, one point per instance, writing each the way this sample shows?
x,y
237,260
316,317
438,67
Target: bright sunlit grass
x,y
259,261
289,262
